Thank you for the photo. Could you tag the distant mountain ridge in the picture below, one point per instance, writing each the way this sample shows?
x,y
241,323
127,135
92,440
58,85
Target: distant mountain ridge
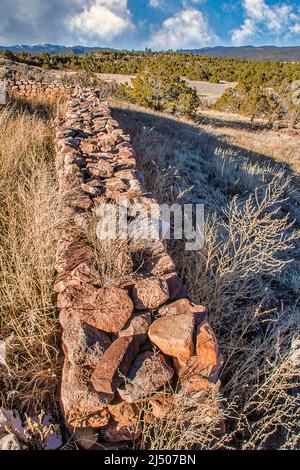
x,y
288,54
52,49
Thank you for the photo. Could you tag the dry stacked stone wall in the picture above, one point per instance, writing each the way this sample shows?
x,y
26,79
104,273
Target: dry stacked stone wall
x,y
129,337
35,88
128,340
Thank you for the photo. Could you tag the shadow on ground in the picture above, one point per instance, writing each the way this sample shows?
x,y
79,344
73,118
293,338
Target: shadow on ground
x,y
187,137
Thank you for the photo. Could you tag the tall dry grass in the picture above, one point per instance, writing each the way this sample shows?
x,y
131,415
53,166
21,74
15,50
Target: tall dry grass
x,y
247,274
28,200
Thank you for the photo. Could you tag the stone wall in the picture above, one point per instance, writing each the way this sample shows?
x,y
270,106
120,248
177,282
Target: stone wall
x,y
133,333
52,88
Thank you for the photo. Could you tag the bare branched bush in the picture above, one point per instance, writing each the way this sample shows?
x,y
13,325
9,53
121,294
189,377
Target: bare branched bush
x,y
192,422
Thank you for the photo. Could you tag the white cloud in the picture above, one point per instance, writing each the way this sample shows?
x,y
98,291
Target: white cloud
x,y
164,4
245,32
102,19
187,29
296,28
156,3
261,19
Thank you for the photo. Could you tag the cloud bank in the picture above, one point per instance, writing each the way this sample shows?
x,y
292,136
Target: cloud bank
x,y
279,21
188,28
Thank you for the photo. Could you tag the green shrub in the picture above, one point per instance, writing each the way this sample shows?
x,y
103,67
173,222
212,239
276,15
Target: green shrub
x,y
159,89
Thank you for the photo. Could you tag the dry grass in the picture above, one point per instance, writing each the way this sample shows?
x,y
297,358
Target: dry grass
x,y
28,198
247,274
192,422
281,147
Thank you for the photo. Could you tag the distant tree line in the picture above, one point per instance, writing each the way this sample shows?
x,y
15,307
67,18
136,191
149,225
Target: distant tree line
x,y
265,89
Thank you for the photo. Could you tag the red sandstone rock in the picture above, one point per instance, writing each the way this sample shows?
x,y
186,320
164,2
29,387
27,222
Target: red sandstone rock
x,y
102,169
63,281
81,202
85,345
88,147
72,255
124,263
177,289
91,190
149,373
201,371
85,273
160,265
206,345
107,309
125,414
162,405
138,325
173,335
181,307
114,365
126,153
83,407
150,294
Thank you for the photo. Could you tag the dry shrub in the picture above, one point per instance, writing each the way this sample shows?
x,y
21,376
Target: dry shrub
x,y
193,422
118,260
246,274
28,318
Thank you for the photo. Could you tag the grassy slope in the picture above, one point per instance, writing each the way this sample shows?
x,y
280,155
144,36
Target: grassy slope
x,y
28,320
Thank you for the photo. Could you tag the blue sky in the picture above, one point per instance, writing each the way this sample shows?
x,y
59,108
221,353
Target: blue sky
x,y
159,24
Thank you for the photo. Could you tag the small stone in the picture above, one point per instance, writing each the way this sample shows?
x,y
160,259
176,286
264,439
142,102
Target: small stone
x,y
125,414
181,307
85,273
124,263
83,407
150,294
9,442
176,287
114,365
160,265
115,185
138,325
91,190
149,373
113,432
88,147
72,255
63,281
94,183
162,406
83,202
102,169
85,345
201,372
70,141
173,335
86,438
206,346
